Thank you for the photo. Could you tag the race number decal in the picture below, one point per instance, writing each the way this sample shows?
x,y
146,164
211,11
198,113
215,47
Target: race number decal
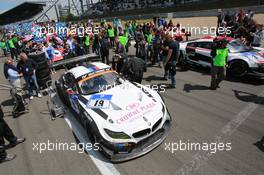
x,y
101,101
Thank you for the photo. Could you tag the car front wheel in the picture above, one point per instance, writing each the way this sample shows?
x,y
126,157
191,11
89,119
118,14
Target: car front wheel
x,y
238,68
183,64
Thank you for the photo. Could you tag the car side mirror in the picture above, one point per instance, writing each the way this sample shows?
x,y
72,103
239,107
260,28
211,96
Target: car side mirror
x,y
70,91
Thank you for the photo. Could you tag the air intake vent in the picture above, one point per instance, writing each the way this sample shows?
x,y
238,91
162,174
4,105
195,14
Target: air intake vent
x,y
141,133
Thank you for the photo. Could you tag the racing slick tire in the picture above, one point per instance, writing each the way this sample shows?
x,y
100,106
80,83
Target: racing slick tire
x,y
42,82
42,73
37,56
94,138
90,133
43,65
183,64
237,68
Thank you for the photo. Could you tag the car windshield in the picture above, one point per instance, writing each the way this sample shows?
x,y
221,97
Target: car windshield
x,y
99,83
236,47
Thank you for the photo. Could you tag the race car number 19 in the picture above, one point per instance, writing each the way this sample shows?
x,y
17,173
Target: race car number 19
x,y
99,101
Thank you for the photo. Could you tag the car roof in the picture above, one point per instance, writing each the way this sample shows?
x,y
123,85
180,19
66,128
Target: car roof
x,y
90,68
207,39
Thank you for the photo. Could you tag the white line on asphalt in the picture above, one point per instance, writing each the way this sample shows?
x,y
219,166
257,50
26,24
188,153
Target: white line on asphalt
x,y
104,166
202,157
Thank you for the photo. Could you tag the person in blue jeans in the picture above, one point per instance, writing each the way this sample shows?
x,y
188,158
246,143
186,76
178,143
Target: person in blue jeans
x,y
171,59
28,67
170,73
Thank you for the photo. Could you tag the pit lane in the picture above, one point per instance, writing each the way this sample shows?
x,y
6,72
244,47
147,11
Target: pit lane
x,y
198,114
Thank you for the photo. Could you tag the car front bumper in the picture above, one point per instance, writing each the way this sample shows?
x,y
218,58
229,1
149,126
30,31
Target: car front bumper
x,y
139,149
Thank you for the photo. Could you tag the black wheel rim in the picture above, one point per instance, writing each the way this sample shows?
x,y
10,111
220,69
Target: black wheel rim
x,y
238,69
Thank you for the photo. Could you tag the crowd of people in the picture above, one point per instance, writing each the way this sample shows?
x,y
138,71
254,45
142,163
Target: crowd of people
x,y
153,40
242,25
151,43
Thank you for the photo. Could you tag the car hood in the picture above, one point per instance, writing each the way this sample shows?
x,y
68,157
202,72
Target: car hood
x,y
130,108
256,53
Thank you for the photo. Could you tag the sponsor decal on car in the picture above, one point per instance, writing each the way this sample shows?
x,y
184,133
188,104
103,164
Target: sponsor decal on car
x,y
261,53
101,101
136,113
132,106
248,53
92,75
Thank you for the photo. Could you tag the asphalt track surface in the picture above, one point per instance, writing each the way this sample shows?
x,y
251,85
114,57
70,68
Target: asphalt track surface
x,y
234,113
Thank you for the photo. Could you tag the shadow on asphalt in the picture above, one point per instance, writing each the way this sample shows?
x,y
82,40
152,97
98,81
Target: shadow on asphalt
x,y
9,102
245,80
260,144
154,78
248,97
82,146
188,87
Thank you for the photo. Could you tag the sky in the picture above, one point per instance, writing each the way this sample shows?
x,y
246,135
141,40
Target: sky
x,y
8,4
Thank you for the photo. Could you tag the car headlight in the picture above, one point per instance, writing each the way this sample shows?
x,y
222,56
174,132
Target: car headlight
x,y
117,135
165,111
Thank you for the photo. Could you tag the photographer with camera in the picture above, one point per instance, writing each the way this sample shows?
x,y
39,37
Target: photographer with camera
x,y
133,69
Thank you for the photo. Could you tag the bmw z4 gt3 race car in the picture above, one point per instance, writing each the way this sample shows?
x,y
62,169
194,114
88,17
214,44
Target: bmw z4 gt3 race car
x,y
242,60
126,119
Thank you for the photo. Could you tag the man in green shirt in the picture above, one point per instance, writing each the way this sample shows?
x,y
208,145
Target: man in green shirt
x,y
15,41
122,39
87,42
149,38
12,48
219,55
111,35
4,47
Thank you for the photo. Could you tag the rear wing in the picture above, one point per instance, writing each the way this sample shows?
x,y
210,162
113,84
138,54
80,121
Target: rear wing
x,y
75,60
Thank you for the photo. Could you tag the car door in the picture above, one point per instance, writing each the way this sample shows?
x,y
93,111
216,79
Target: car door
x,y
190,51
203,52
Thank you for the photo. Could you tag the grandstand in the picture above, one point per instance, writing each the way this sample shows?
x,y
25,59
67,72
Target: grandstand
x,y
114,8
45,10
110,6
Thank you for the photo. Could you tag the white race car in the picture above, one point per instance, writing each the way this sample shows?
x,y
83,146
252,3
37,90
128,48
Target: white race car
x,y
126,119
242,60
